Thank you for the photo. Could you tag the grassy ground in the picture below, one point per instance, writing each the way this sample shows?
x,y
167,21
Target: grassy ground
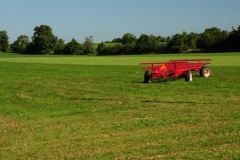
x,y
96,107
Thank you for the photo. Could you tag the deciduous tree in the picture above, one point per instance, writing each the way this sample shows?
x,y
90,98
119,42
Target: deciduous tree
x,y
19,45
142,43
59,47
192,38
233,40
128,48
209,38
161,39
176,44
4,43
88,46
44,40
129,38
152,43
101,49
117,40
73,47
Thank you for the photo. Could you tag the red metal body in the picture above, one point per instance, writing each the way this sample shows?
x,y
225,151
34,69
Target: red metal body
x,y
174,68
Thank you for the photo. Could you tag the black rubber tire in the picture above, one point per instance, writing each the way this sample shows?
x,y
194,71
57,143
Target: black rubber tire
x,y
205,71
188,76
147,77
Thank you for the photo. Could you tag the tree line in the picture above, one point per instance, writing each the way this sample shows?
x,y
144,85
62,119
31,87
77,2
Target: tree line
x,y
44,41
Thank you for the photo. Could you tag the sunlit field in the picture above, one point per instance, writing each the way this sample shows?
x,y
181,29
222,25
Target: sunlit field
x,y
97,107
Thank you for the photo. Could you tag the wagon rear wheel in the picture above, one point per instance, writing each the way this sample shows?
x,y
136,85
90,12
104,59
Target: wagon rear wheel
x,y
205,71
147,77
188,75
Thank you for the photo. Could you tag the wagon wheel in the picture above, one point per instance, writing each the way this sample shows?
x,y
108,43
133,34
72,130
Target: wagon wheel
x,y
147,77
205,71
188,75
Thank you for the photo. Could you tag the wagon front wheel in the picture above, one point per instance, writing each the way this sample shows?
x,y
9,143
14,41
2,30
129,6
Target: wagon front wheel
x,y
205,71
147,77
188,75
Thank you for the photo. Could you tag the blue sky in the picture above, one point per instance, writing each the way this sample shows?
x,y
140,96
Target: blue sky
x,y
109,19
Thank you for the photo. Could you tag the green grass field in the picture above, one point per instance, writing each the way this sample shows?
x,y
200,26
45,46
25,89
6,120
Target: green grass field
x,y
97,107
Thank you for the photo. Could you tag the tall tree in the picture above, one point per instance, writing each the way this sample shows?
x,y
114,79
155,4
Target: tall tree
x,y
184,36
88,46
19,45
117,40
73,47
192,38
176,44
44,40
30,48
168,38
209,38
59,47
221,43
152,43
4,44
233,40
142,43
101,49
161,39
129,38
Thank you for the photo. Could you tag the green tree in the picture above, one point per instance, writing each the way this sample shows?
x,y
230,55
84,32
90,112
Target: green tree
x,y
19,45
168,38
73,47
142,43
152,43
117,40
59,47
101,49
147,43
161,39
4,44
209,38
128,48
221,43
176,44
44,40
115,49
88,46
184,37
233,40
30,48
128,38
192,39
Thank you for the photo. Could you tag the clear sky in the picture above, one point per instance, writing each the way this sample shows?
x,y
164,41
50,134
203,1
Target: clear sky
x,y
109,19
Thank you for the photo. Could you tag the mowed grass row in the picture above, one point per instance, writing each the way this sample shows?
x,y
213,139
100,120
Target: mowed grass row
x,y
83,107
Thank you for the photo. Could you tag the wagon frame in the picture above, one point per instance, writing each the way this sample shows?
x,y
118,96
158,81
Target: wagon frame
x,y
176,69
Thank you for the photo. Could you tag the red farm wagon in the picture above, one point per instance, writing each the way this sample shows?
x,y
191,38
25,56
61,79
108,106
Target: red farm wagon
x,y
175,69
